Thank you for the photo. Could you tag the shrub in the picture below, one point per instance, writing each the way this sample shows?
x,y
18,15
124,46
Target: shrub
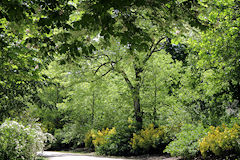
x,y
118,144
89,137
148,139
171,130
186,142
20,142
102,136
221,139
114,141
72,135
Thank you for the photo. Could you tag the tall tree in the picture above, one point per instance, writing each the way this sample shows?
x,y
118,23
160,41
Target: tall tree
x,y
141,27
70,27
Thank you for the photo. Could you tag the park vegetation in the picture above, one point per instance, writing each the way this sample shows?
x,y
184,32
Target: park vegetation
x,y
121,78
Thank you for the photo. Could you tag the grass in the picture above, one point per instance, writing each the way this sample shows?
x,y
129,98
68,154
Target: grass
x,y
41,158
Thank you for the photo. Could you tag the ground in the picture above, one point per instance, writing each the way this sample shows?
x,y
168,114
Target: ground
x,y
76,156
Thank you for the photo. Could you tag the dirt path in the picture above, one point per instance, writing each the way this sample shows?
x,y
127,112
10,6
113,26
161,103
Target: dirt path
x,y
76,156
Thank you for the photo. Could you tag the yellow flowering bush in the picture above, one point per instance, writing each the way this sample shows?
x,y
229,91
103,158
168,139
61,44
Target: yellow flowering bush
x,y
101,136
220,139
113,141
116,142
89,137
148,138
95,138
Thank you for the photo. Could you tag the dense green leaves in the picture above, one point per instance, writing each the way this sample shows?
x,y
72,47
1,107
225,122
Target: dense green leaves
x,y
186,143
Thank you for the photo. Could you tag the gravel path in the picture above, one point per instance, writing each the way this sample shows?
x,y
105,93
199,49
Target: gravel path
x,y
76,156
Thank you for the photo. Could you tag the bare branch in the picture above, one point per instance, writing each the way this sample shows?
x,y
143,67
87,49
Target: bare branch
x,y
101,76
103,64
151,46
127,80
158,49
154,49
106,73
107,56
159,41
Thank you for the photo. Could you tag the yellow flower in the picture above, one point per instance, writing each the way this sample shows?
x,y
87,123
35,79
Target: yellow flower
x,y
219,139
147,137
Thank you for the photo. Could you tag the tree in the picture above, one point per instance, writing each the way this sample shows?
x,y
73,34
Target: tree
x,y
137,26
69,28
116,60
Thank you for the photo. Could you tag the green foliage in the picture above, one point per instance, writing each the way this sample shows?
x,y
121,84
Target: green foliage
x,y
21,54
186,143
220,140
218,57
21,142
50,118
203,93
71,135
108,60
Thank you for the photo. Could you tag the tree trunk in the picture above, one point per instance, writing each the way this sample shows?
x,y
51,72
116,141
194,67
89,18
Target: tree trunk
x,y
155,100
93,107
135,90
57,95
137,108
136,94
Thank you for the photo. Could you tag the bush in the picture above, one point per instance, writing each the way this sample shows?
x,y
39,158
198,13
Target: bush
x,y
102,136
186,142
89,137
171,130
118,144
124,141
112,142
221,139
72,136
148,139
20,142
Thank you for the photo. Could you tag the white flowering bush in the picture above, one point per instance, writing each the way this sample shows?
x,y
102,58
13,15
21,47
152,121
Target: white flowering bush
x,y
19,142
